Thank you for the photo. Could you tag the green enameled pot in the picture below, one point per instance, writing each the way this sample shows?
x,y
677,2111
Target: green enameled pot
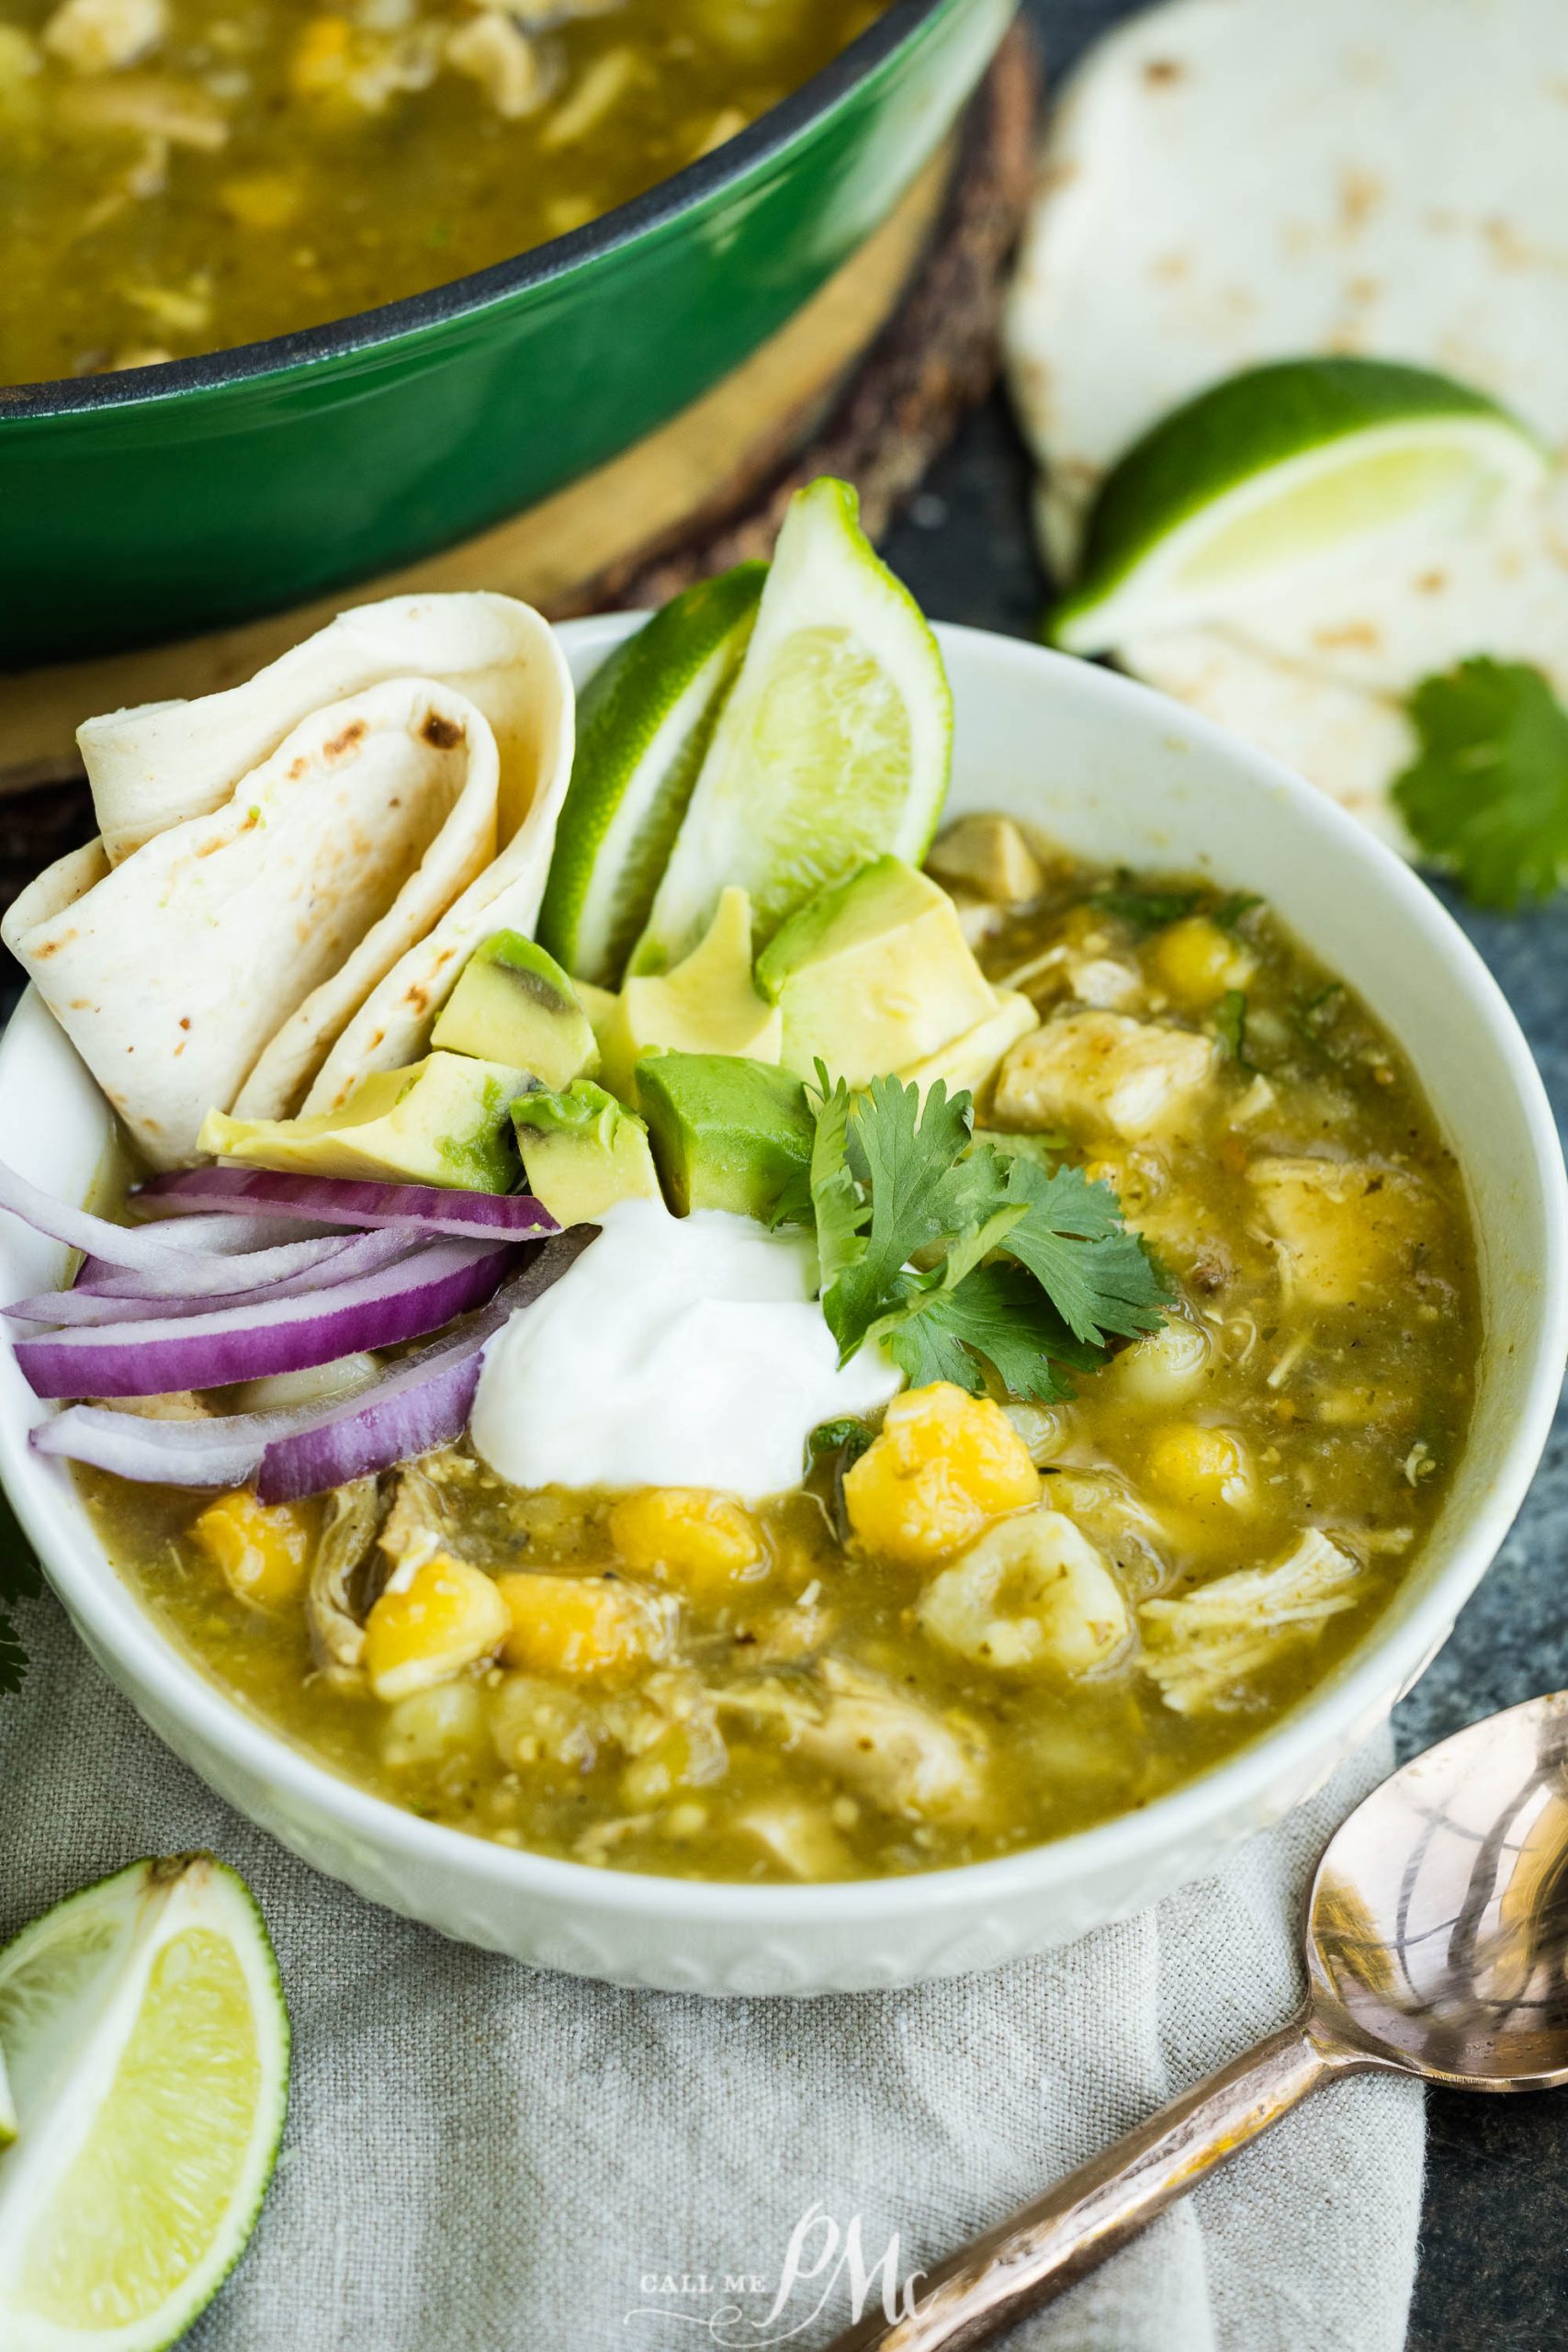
x,y
153,503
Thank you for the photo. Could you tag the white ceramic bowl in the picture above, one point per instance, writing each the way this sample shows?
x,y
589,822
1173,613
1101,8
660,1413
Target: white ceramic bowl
x,y
1119,774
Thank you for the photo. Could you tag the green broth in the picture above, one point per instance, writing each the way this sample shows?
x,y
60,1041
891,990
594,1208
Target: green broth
x,y
264,165
1347,1416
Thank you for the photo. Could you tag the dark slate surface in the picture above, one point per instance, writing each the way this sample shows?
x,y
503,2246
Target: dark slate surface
x,y
1494,2238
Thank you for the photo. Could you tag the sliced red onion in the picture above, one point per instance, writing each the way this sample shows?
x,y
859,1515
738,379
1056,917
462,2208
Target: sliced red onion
x,y
210,1351
151,1248
420,1403
341,1200
192,1274
352,1257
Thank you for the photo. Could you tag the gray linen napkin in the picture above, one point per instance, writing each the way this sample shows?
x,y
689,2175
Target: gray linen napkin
x,y
483,2159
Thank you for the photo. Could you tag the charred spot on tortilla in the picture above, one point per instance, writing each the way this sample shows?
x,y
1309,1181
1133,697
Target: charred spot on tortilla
x,y
341,745
442,734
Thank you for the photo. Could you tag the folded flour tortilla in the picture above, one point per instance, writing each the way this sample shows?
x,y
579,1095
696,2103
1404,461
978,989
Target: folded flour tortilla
x,y
301,864
1235,181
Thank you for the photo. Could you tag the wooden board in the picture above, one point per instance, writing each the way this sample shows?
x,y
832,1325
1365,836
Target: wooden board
x,y
869,383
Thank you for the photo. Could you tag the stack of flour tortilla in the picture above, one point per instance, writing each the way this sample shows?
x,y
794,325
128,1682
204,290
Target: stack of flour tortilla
x,y
1235,181
290,875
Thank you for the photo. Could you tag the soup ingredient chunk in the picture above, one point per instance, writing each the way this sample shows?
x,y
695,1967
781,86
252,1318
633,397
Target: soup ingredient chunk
x,y
871,974
445,1120
262,1553
582,1152
944,1464
580,1624
1103,1069
728,1133
447,1616
676,1352
1200,1645
1033,1593
702,1541
99,36
1347,1229
707,1004
899,1753
514,1004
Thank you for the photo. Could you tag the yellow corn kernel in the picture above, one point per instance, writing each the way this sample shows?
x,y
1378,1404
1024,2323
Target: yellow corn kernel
x,y
685,1535
1201,1467
944,1464
576,1625
261,199
1198,962
447,1616
261,1550
319,66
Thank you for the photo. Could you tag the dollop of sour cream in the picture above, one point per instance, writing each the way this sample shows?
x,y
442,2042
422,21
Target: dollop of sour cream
x,y
675,1352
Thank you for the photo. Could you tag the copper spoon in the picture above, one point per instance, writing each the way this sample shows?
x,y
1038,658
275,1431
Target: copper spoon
x,y
1436,1945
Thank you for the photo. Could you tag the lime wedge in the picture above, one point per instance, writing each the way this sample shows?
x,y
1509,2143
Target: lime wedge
x,y
644,724
147,2043
8,2107
1277,475
833,748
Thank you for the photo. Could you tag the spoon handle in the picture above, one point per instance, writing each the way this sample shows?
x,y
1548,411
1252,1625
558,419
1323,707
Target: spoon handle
x,y
1046,2247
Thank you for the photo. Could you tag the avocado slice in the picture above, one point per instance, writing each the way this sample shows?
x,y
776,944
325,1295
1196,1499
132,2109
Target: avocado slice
x,y
709,1004
443,1121
582,1151
727,1132
969,1063
873,975
513,1003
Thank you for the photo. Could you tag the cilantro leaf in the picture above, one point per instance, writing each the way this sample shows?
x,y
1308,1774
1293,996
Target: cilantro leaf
x,y
19,1580
1488,795
925,1187
1147,910
996,1316
1230,1026
836,1194
1099,1276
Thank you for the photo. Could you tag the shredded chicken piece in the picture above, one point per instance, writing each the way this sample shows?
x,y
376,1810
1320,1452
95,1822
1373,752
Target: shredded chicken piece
x,y
799,1836
602,88
899,1754
156,104
334,1609
1102,1070
422,1519
1033,1592
101,36
1201,1644
494,52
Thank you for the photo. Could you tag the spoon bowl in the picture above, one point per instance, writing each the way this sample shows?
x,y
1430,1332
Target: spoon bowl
x,y
1436,1945
1438,1930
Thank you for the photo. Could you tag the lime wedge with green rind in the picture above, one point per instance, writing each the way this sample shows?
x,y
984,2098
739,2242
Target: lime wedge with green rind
x,y
147,2043
1275,476
644,723
833,748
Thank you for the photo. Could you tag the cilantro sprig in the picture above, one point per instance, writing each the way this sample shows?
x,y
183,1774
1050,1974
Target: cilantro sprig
x,y
19,1580
1488,795
968,1264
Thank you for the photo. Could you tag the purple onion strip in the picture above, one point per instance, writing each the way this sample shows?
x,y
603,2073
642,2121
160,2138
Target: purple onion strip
x,y
354,1256
341,1200
212,1351
420,1403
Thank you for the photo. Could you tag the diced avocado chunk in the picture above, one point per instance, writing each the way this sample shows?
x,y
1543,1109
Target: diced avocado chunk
x,y
513,1003
873,975
969,1063
582,1151
727,1132
446,1119
709,1004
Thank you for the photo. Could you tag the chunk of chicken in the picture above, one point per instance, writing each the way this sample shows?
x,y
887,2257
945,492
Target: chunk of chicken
x,y
336,1597
99,36
494,52
1104,1070
1033,1593
989,856
897,1752
799,1837
1347,1228
422,1519
1200,1644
